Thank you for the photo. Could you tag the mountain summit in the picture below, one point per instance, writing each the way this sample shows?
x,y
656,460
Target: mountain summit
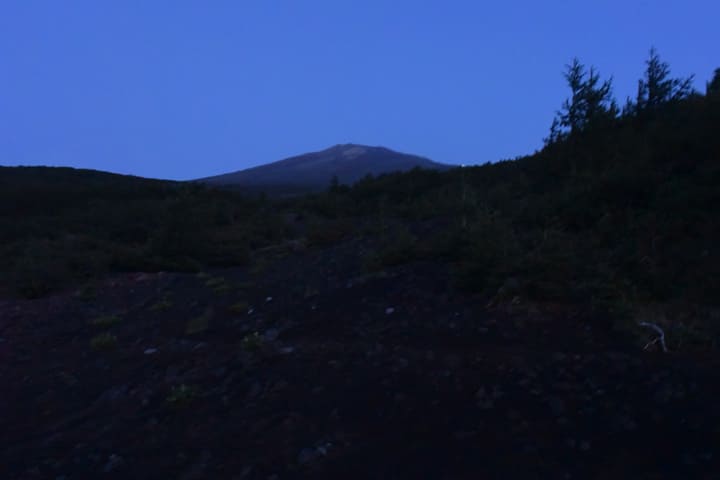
x,y
315,170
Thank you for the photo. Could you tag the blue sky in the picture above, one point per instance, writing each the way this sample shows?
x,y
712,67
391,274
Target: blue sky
x,y
185,89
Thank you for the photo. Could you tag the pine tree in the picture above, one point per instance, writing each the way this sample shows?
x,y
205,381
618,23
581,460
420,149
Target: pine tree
x,y
657,88
590,102
713,86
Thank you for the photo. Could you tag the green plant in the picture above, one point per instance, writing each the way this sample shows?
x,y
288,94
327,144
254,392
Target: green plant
x,y
163,304
399,246
252,342
218,284
105,321
212,282
199,324
87,293
182,395
239,307
103,341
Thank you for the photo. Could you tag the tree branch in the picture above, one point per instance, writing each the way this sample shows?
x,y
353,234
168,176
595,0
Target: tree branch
x,y
660,338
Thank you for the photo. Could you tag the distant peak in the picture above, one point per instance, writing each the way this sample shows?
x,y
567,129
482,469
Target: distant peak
x,y
353,151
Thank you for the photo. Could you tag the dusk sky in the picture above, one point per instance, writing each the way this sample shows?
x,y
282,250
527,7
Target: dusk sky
x,y
185,89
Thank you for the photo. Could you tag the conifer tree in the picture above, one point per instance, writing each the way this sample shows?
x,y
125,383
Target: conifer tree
x,y
658,88
590,102
713,86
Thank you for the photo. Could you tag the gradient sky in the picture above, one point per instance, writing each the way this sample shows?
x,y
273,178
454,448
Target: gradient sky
x,y
185,89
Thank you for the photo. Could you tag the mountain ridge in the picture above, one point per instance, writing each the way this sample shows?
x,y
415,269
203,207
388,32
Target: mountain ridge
x,y
348,163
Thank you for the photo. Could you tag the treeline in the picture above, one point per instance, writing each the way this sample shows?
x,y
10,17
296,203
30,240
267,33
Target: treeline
x,y
60,227
618,209
592,104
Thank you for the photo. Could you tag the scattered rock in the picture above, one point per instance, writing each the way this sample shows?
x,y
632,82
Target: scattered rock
x,y
113,394
307,455
113,463
150,351
271,335
389,311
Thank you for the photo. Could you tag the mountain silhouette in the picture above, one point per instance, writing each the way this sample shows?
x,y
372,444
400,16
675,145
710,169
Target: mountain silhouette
x,y
315,170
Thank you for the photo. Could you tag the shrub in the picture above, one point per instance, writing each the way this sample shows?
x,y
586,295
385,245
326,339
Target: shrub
x,y
199,324
105,321
238,307
103,341
182,395
252,342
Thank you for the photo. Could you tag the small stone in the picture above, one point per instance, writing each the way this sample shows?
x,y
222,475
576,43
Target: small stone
x,y
271,335
150,351
268,299
389,311
114,462
306,456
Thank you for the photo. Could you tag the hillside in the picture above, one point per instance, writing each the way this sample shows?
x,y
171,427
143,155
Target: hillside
x,y
63,226
483,322
314,171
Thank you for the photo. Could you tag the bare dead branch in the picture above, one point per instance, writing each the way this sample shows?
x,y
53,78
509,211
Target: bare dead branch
x,y
661,336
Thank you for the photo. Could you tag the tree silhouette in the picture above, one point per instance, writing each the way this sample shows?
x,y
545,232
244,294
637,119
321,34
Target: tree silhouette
x,y
713,86
590,102
657,88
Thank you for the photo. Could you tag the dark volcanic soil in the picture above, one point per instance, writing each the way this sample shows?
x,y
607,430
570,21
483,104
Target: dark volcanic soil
x,y
350,375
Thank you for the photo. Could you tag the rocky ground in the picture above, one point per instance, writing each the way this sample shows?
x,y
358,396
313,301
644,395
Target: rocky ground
x,y
305,366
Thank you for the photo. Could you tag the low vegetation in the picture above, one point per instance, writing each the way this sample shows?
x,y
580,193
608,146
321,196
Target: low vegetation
x,y
103,341
252,342
181,395
617,211
105,321
60,226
